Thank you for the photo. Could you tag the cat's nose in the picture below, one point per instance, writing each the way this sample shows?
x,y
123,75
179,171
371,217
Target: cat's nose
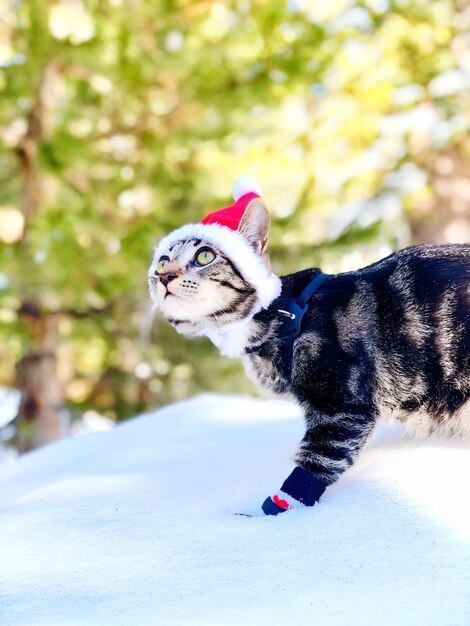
x,y
167,277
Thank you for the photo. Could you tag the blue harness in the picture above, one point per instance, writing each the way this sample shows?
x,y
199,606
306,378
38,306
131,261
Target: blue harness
x,y
291,311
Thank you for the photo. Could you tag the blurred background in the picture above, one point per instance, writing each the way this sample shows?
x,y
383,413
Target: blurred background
x,y
121,120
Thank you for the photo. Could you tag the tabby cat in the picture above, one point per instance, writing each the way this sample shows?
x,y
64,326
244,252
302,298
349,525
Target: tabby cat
x,y
389,340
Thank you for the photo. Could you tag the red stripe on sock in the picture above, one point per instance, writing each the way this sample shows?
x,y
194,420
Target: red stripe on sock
x,y
283,504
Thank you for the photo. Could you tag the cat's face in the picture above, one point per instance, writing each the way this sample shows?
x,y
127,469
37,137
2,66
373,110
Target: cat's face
x,y
193,283
198,286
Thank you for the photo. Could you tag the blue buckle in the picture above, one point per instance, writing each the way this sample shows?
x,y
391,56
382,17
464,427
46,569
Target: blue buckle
x,y
291,318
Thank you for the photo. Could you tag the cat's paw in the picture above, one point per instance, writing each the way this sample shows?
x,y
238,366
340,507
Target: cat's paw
x,y
279,503
300,489
273,505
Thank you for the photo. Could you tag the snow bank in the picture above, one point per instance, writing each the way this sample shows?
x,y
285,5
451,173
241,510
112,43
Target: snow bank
x,y
132,527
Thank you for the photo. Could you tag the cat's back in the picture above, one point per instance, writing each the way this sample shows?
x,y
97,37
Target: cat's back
x,y
422,291
430,263
422,313
422,283
423,286
404,323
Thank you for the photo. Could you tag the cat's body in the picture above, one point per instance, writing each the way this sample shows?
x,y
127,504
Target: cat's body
x,y
390,340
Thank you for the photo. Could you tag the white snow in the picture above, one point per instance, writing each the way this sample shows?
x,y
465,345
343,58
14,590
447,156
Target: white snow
x,y
9,403
132,527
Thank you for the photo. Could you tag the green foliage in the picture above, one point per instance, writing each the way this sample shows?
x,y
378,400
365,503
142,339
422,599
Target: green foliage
x,y
149,110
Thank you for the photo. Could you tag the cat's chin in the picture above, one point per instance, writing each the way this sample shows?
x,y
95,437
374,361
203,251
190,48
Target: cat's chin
x,y
188,330
201,327
174,307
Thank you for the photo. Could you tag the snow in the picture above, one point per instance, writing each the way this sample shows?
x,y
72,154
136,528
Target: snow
x,y
9,403
133,526
89,422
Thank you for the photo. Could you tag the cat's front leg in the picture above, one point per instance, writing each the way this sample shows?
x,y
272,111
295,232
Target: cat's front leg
x,y
329,447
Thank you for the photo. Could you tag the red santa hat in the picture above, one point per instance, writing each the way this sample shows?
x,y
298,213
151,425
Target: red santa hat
x,y
220,229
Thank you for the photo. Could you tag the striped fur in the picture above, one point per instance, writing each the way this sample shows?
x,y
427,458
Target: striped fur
x,y
391,341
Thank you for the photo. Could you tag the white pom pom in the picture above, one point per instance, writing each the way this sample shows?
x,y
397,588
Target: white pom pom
x,y
244,185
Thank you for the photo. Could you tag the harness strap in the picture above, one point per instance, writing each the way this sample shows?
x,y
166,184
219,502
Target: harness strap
x,y
291,311
311,288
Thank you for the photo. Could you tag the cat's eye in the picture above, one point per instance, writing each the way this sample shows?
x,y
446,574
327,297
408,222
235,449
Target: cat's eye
x,y
204,257
162,263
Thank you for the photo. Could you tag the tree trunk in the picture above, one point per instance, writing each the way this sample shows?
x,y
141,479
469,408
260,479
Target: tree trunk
x,y
39,418
445,218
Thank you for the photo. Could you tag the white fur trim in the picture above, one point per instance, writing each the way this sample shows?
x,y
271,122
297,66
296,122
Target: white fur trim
x,y
235,246
244,185
231,339
292,502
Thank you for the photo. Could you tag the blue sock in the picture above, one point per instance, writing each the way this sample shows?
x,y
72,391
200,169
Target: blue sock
x,y
301,488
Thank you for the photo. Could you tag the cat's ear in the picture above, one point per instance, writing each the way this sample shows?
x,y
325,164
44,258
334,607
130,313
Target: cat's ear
x,y
254,226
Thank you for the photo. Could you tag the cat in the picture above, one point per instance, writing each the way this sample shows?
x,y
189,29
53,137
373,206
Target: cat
x,y
389,340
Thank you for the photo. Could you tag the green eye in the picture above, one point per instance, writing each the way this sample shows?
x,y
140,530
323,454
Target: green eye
x,y
204,258
162,263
